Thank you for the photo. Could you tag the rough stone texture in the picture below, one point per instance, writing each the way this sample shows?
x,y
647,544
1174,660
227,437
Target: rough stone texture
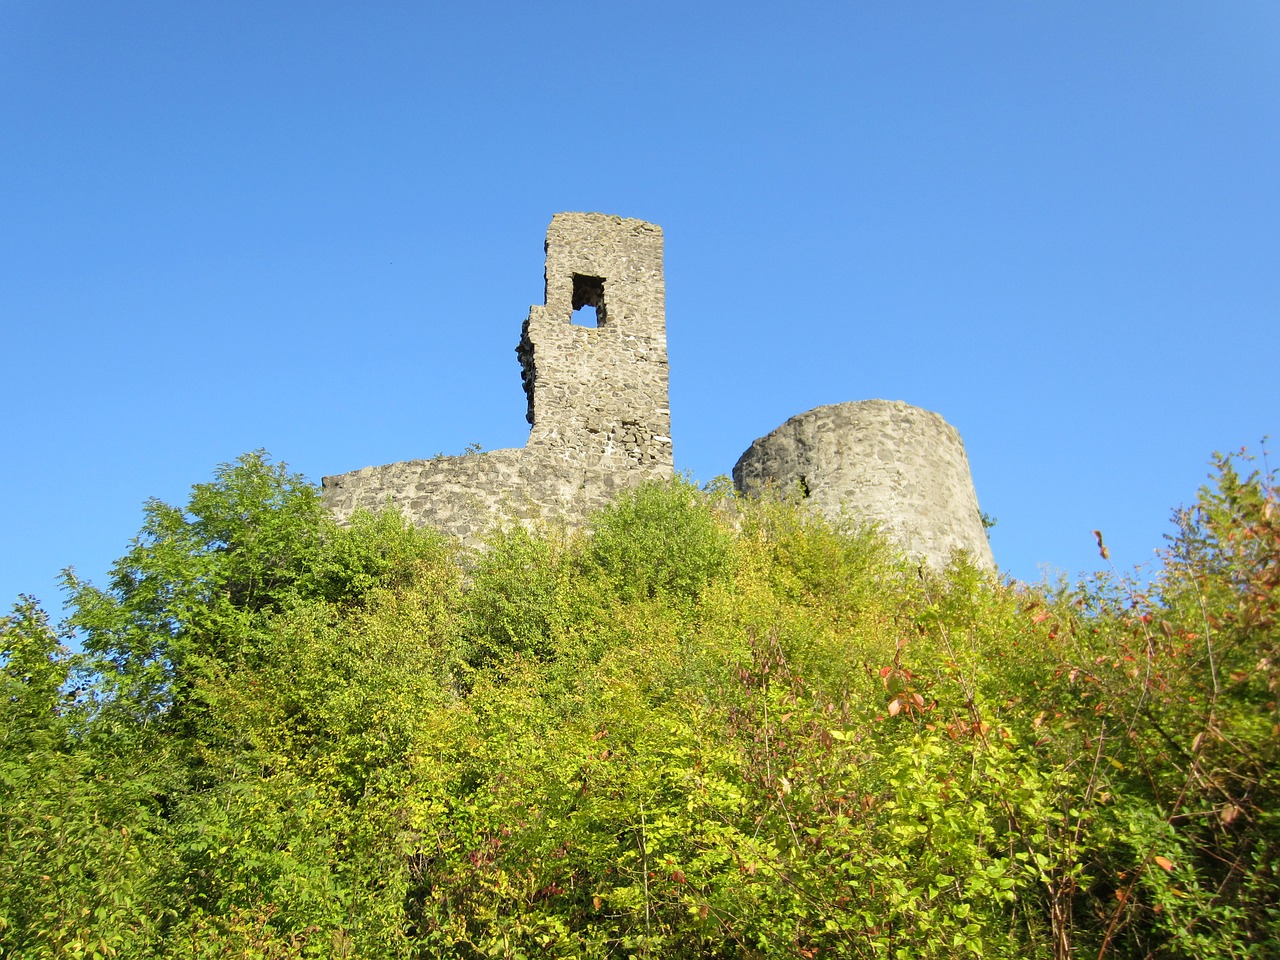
x,y
597,397
600,422
881,461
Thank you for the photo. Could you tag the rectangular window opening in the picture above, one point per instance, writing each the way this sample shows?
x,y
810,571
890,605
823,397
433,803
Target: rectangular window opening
x,y
588,292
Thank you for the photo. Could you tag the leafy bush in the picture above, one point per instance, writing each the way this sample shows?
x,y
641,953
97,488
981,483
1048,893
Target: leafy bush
x,y
515,603
710,728
662,539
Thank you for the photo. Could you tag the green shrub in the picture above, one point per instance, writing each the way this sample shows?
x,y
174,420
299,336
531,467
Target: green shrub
x,y
661,540
708,729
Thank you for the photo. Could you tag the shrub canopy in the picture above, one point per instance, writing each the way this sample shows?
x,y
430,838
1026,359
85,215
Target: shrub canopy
x,y
706,728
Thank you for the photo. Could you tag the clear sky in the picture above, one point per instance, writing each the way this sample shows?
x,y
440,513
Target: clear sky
x,y
316,228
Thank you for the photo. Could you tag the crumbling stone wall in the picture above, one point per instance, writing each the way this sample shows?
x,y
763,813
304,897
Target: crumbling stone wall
x,y
600,422
878,461
597,396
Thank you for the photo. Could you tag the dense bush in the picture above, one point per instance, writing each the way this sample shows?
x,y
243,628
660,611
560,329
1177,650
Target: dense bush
x,y
703,728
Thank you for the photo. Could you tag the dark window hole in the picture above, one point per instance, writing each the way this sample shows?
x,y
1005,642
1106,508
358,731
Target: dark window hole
x,y
588,292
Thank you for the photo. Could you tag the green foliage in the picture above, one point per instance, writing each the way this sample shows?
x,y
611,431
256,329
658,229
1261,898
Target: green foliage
x,y
988,522
708,728
33,673
73,876
660,540
516,601
190,593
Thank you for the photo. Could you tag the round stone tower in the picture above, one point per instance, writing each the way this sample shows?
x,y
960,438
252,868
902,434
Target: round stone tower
x,y
879,461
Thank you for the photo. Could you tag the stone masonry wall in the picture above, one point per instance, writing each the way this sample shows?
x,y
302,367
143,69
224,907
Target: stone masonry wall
x,y
597,397
598,394
881,461
600,423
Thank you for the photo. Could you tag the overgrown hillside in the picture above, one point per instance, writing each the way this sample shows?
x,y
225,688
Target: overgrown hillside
x,y
709,729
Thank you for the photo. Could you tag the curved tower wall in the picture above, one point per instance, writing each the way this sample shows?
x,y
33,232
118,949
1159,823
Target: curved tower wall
x,y
878,461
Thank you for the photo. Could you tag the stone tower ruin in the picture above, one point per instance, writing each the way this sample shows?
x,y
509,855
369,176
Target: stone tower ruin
x,y
600,421
881,462
598,392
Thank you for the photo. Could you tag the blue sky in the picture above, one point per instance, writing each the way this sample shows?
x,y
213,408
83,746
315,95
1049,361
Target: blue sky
x,y
316,228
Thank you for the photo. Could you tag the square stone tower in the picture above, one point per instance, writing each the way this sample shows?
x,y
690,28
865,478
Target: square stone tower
x,y
597,390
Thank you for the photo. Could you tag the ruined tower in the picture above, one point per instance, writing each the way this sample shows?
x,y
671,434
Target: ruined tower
x,y
593,359
597,387
881,462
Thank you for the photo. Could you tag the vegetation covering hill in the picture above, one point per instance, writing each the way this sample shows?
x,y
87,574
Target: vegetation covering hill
x,y
710,729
